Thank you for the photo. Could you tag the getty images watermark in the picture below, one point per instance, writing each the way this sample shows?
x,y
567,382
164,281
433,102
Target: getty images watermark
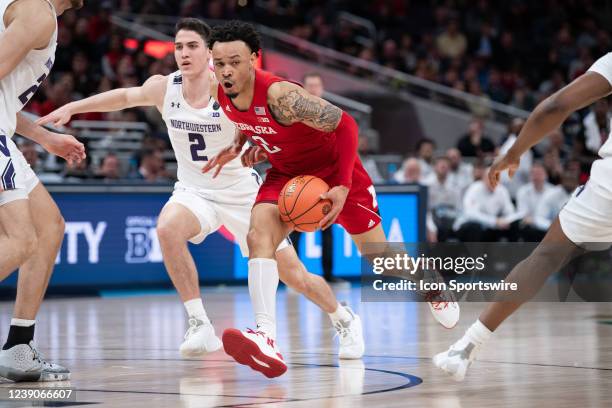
x,y
482,272
429,266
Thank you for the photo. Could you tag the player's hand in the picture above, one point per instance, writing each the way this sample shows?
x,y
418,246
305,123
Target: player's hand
x,y
502,163
58,117
66,147
337,195
226,155
252,156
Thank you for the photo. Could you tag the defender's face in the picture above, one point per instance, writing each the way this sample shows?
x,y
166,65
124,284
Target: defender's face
x,y
234,63
76,4
190,52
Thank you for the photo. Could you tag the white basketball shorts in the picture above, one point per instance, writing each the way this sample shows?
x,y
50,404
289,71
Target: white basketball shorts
x,y
586,219
17,178
230,207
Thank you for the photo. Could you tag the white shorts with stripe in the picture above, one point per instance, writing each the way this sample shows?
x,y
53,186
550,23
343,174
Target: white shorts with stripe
x,y
17,178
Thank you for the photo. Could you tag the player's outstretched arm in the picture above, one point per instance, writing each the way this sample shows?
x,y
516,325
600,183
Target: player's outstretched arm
x,y
62,145
290,103
151,93
30,25
226,155
548,116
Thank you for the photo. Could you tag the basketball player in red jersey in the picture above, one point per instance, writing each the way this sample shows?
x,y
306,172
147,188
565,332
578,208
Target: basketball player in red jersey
x,y
299,134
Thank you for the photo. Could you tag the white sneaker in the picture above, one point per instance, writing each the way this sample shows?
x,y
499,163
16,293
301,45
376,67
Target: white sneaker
x,y
256,350
457,359
350,333
445,311
24,363
200,339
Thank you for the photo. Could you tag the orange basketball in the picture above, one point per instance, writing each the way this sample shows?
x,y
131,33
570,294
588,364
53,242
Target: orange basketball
x,y
300,203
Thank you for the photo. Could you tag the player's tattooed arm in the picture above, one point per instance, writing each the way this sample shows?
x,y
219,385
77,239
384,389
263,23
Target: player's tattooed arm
x,y
290,103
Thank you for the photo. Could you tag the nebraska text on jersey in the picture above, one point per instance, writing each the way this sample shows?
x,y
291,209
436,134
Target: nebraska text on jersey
x,y
261,130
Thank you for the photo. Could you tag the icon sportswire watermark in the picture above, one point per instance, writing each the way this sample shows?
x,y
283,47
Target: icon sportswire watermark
x,y
506,271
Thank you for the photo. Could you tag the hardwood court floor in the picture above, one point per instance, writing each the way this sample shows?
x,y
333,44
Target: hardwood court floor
x,y
123,353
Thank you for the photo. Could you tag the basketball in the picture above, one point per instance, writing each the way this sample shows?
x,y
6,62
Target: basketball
x,y
300,203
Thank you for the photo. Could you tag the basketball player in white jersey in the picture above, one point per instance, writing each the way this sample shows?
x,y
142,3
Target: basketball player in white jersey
x,y
585,223
199,129
31,226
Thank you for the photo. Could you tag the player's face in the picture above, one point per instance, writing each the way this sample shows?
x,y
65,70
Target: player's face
x,y
190,52
234,64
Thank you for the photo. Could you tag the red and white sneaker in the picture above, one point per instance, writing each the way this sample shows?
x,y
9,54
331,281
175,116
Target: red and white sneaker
x,y
445,311
254,349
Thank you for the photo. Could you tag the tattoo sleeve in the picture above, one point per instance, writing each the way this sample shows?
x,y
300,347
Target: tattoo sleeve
x,y
294,106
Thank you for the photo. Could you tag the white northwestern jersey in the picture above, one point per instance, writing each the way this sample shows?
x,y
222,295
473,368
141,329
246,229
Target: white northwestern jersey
x,y
18,87
198,135
601,170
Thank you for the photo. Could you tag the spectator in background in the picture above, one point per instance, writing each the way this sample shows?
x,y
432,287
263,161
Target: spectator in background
x,y
29,150
478,170
596,125
528,199
475,143
521,177
425,150
79,173
410,172
460,173
444,199
553,166
113,55
152,167
488,214
369,164
554,200
557,144
110,169
84,80
452,43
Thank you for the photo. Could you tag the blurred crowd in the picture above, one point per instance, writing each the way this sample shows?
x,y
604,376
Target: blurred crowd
x,y
462,204
513,52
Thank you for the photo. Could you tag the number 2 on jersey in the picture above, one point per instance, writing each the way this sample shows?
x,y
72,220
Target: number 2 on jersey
x,y
197,145
24,98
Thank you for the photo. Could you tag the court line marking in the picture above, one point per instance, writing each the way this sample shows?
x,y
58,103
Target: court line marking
x,y
318,354
412,382
280,399
480,361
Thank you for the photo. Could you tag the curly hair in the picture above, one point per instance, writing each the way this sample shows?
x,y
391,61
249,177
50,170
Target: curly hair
x,y
237,31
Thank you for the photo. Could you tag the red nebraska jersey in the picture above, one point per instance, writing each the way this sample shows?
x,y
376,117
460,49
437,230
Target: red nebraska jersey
x,y
293,150
297,150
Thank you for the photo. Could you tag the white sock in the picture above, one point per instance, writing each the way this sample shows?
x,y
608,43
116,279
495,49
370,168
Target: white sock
x,y
22,322
263,282
340,314
195,308
478,333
